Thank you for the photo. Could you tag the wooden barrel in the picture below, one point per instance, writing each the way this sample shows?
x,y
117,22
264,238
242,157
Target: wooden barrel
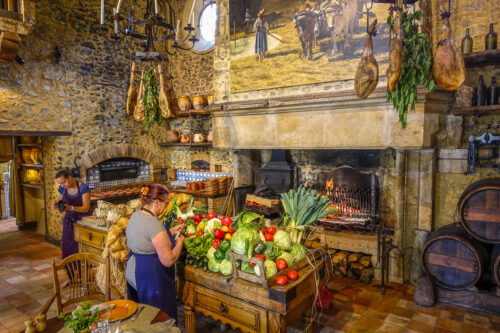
x,y
479,209
452,258
495,264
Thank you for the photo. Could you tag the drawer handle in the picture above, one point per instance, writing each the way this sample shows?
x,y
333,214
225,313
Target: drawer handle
x,y
90,236
223,308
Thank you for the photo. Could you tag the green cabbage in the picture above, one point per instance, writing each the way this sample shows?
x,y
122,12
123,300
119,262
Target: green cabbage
x,y
214,265
298,252
288,258
283,240
244,241
212,225
226,268
210,253
270,267
272,251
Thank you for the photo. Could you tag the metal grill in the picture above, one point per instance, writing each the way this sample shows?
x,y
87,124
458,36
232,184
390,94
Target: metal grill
x,y
356,204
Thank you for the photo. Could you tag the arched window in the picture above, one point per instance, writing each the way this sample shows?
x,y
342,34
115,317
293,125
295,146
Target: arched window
x,y
207,24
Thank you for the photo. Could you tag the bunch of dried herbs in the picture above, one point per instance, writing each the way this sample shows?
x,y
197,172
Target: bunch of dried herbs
x,y
416,65
152,111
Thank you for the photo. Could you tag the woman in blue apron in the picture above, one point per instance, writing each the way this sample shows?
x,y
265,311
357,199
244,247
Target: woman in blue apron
x,y
76,198
153,252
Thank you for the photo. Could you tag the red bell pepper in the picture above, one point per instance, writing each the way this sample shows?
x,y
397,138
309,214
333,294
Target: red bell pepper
x,y
216,243
179,220
200,233
211,215
218,233
226,220
197,218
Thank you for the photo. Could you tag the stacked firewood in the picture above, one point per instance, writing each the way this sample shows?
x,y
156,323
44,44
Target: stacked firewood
x,y
352,265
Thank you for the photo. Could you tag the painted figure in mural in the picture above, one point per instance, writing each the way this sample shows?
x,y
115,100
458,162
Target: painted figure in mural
x,y
261,27
247,23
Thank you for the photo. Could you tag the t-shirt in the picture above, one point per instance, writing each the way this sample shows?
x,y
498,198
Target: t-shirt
x,y
84,188
141,229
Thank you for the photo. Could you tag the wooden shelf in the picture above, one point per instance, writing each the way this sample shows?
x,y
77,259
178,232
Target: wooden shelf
x,y
483,58
191,144
32,185
116,197
27,165
194,112
407,2
477,110
30,145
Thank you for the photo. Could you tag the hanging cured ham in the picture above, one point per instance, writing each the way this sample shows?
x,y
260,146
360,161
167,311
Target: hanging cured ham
x,y
166,98
132,92
448,67
139,107
395,51
366,79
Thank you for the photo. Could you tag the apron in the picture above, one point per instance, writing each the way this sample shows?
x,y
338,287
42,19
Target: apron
x,y
69,246
155,282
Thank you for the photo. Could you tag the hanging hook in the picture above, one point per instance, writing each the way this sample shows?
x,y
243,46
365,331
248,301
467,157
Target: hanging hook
x,y
368,16
447,14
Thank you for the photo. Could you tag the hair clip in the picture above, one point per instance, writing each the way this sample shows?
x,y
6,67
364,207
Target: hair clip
x,y
145,190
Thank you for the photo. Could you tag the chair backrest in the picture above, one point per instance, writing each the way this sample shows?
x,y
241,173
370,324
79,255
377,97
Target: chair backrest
x,y
81,270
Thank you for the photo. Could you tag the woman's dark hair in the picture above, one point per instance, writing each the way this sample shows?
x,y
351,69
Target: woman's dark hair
x,y
150,193
63,173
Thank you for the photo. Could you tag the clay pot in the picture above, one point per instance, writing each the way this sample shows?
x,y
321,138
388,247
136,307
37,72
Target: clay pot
x,y
185,138
184,103
199,137
210,136
32,176
210,99
172,136
36,155
26,156
199,102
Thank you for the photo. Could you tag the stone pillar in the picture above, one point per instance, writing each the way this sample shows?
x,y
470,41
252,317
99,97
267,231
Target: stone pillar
x,y
396,257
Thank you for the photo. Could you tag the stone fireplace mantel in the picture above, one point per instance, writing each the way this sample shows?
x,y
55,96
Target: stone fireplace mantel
x,y
335,120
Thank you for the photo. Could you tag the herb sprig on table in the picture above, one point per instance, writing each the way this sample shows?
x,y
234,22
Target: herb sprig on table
x,y
152,111
416,65
80,319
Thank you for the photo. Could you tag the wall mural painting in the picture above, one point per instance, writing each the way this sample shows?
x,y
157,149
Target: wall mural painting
x,y
280,43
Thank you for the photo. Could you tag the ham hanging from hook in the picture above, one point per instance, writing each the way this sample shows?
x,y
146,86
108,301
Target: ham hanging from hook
x,y
448,67
132,92
366,78
395,50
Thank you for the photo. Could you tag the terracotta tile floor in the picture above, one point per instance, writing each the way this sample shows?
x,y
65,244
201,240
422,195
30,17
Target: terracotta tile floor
x,y
26,283
8,225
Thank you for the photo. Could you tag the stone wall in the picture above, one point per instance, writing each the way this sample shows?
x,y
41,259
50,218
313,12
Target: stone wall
x,y
85,92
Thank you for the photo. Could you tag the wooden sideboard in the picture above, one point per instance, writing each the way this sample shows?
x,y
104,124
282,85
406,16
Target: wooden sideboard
x,y
245,305
90,238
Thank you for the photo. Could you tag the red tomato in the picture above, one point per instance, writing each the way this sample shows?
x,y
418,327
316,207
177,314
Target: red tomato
x,y
281,264
292,275
196,222
189,235
179,220
269,237
231,231
260,256
281,280
216,243
271,230
200,233
262,230
211,215
219,234
197,218
226,220
251,264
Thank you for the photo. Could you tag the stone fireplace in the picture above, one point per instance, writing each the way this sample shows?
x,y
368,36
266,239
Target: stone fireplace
x,y
328,131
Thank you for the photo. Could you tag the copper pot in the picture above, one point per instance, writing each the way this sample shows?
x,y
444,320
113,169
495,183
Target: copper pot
x,y
36,155
184,103
199,102
26,156
185,138
172,136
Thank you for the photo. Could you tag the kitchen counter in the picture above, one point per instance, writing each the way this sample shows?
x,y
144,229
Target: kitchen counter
x,y
90,238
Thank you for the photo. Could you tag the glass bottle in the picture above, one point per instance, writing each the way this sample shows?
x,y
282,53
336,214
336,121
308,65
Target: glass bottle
x,y
466,42
480,92
493,92
490,42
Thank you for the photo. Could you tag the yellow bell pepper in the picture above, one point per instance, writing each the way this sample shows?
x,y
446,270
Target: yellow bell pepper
x,y
225,228
201,226
228,236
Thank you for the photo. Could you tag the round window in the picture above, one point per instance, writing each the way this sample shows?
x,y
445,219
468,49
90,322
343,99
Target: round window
x,y
207,24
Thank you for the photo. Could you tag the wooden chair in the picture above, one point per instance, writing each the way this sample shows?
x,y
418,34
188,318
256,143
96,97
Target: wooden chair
x,y
81,270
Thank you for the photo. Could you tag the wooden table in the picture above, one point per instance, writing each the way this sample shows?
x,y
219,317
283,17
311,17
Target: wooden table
x,y
246,305
55,324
